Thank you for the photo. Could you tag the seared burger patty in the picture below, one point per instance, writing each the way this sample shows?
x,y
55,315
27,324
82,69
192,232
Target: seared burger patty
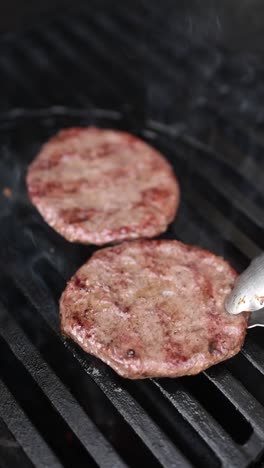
x,y
99,186
153,309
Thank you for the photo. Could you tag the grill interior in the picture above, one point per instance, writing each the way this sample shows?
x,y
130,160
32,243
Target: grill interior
x,y
59,406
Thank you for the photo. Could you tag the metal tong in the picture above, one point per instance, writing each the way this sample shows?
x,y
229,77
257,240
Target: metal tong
x,y
248,293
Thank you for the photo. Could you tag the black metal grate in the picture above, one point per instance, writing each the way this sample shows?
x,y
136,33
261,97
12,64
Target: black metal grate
x,y
211,419
59,406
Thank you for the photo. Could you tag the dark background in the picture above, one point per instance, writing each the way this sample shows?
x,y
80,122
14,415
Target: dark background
x,y
238,24
188,77
167,61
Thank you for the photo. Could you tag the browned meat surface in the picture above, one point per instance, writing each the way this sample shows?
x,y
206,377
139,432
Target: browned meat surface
x,y
100,186
153,309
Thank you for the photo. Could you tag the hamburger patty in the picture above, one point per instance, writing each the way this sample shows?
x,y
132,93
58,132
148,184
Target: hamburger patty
x,y
153,308
99,186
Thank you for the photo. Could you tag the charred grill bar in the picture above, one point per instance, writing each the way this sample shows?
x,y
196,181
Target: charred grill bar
x,y
59,406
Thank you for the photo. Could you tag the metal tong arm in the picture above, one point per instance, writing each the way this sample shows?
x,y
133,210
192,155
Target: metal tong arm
x,y
248,292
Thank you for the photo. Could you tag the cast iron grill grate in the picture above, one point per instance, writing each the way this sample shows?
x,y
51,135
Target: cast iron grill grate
x,y
70,406
59,406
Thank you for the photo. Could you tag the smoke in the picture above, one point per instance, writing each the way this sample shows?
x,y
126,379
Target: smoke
x,y
236,25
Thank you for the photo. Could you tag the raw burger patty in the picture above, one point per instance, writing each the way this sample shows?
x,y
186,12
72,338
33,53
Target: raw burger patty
x,y
153,309
99,186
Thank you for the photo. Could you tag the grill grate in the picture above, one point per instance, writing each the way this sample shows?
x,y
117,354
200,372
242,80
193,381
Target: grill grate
x,y
39,261
69,409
